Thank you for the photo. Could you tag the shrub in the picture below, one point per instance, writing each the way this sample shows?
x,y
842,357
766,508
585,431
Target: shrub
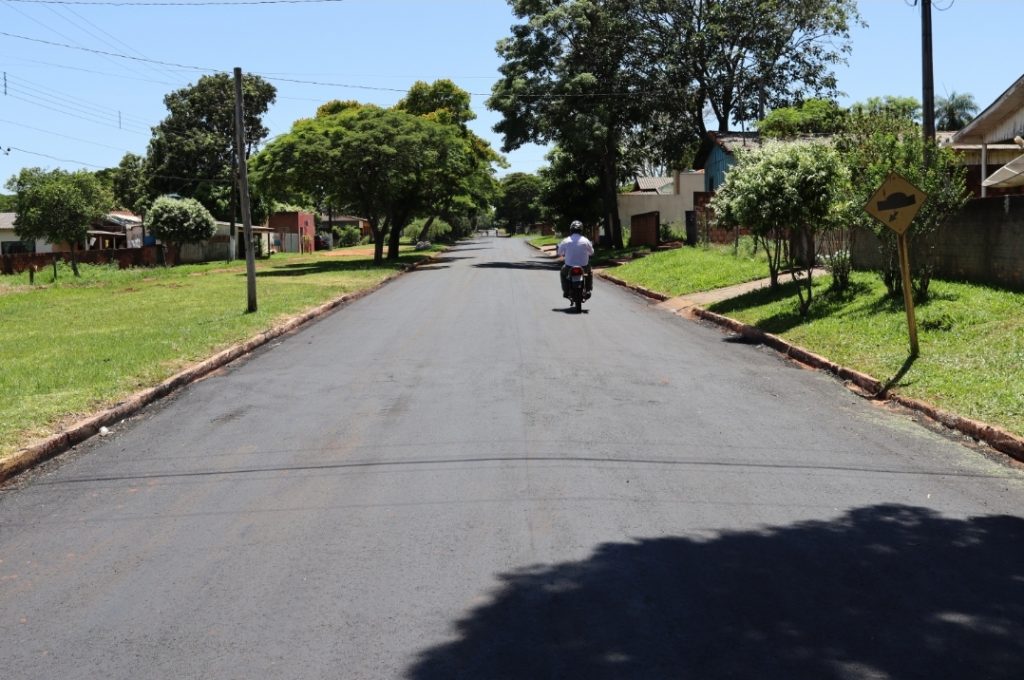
x,y
346,236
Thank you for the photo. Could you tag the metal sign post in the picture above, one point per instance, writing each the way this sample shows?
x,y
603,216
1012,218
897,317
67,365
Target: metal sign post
x,y
895,204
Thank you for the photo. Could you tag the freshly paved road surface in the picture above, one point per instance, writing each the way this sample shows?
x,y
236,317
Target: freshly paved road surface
x,y
454,478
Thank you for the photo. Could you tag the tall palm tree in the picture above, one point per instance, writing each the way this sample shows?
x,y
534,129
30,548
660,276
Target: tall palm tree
x,y
955,111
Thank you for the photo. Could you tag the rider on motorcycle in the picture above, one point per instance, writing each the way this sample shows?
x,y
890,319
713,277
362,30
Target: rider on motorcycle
x,y
575,251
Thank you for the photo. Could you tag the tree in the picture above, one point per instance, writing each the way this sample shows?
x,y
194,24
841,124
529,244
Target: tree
x,y
191,153
815,116
744,57
877,140
462,183
955,111
517,203
571,75
178,221
128,183
58,206
8,202
785,192
372,161
570,190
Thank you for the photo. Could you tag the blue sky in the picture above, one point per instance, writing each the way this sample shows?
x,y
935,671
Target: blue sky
x,y
88,109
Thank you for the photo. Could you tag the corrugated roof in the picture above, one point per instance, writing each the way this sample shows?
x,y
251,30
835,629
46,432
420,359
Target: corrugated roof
x,y
1003,119
652,183
7,220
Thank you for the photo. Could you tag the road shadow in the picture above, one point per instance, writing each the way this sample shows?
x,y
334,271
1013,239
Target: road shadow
x,y
569,310
327,266
884,591
529,265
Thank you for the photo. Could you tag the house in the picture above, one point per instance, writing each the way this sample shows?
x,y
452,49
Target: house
x,y
10,244
296,230
987,140
119,229
717,153
328,222
216,247
671,197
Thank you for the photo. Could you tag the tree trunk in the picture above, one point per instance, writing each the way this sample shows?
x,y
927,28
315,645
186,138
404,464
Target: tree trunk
x,y
394,239
611,195
378,242
74,258
425,231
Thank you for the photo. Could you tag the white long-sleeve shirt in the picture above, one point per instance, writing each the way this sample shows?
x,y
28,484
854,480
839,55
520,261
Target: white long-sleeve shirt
x,y
576,249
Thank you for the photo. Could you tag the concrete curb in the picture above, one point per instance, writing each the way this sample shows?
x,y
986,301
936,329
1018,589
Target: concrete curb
x,y
996,437
52,446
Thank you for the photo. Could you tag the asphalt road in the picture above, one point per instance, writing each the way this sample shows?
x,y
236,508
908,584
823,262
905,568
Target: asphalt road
x,y
455,478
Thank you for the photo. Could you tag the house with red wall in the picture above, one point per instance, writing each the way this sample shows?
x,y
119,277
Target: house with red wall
x,y
297,230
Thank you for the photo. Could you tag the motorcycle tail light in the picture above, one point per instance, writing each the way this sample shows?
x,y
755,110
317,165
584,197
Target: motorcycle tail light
x,y
577,270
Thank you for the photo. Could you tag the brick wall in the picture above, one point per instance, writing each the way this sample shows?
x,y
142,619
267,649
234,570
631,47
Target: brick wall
x,y
983,243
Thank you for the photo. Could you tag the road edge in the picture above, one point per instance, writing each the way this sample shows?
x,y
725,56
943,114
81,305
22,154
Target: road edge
x,y
50,447
994,436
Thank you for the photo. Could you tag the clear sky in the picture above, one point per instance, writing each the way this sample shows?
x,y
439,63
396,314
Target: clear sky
x,y
88,109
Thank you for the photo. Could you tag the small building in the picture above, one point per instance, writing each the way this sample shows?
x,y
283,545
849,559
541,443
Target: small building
x,y
987,141
296,229
671,197
328,222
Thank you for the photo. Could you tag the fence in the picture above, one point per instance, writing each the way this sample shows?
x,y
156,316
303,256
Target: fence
x,y
147,256
983,243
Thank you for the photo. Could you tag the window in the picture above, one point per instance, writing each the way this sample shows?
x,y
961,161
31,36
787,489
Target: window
x,y
15,247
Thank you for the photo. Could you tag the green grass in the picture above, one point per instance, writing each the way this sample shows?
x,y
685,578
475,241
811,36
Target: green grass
x,y
540,241
690,270
73,346
971,340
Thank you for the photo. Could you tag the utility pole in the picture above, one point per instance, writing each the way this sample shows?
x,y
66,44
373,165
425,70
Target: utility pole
x,y
243,182
928,85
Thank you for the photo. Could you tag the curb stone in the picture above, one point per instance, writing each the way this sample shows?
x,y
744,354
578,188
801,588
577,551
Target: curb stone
x,y
56,444
996,437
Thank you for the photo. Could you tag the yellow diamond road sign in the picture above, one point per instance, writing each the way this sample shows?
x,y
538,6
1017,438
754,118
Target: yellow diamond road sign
x,y
896,203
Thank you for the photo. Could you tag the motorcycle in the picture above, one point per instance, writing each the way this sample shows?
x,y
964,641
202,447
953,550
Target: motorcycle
x,y
578,288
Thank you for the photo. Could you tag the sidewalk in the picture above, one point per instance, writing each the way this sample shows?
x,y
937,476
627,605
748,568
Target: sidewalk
x,y
685,305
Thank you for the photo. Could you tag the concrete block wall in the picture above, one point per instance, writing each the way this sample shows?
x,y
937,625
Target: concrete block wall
x,y
983,243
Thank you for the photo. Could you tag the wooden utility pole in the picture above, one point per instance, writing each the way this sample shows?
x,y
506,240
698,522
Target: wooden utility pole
x,y
243,184
927,81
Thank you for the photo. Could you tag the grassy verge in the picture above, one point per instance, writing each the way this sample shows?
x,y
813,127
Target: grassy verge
x,y
689,270
74,346
971,338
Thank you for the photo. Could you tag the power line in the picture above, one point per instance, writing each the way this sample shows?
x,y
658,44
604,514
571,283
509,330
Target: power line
x,y
349,85
200,3
111,54
58,134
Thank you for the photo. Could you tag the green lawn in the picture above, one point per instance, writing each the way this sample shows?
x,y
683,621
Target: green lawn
x,y
74,346
690,270
971,340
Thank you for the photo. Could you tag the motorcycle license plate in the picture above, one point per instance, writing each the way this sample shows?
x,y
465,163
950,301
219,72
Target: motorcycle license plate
x,y
577,279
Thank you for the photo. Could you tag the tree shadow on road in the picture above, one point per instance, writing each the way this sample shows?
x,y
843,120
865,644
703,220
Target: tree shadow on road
x,y
886,591
545,265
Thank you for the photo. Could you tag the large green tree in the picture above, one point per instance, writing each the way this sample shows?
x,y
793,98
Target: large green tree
x,y
518,202
58,206
461,184
375,162
740,58
571,76
191,152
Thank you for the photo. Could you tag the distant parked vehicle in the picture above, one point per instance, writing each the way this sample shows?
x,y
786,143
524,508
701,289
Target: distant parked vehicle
x,y
322,241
